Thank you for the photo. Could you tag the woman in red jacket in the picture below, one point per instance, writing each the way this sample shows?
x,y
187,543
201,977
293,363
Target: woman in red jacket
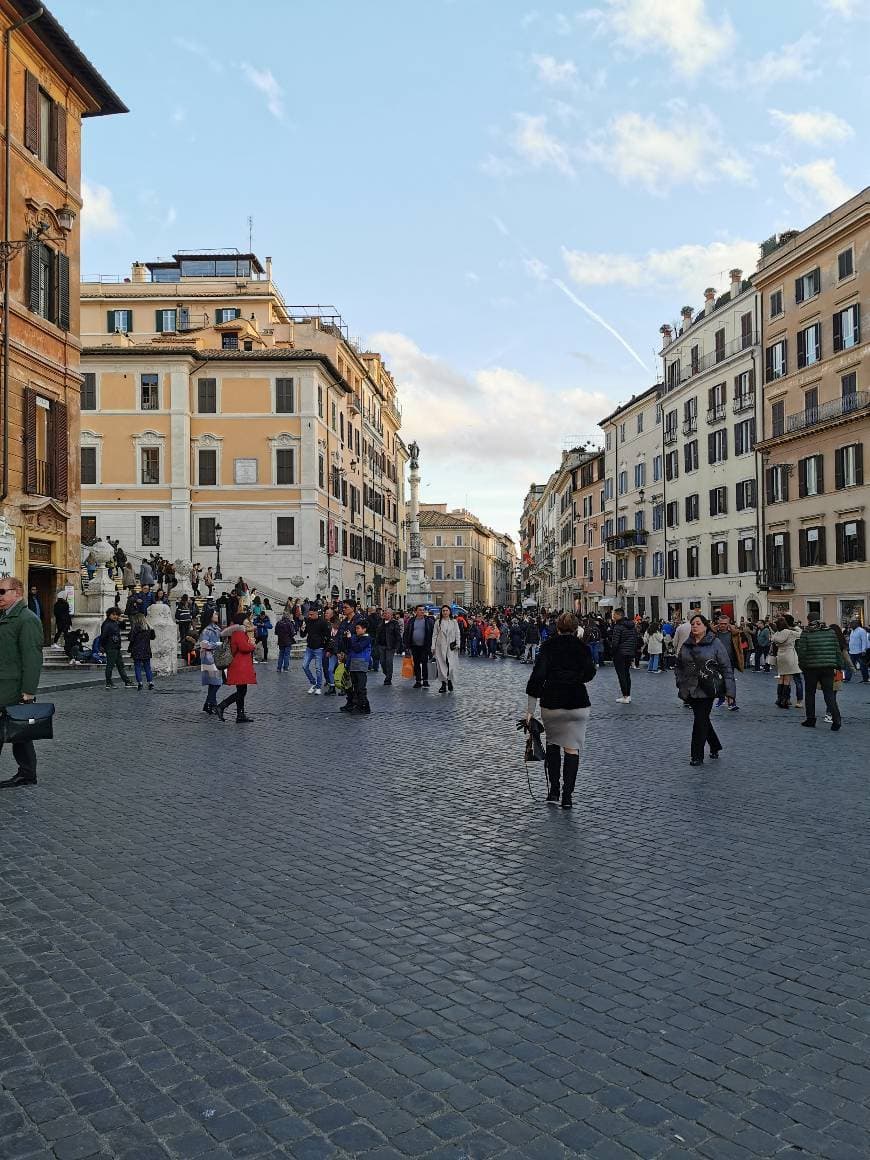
x,y
241,671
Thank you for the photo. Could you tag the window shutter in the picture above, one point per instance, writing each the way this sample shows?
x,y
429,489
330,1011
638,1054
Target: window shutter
x,y
857,309
798,290
110,322
711,447
31,112
768,551
802,339
741,497
839,469
741,557
128,321
803,552
30,440
823,555
862,549
802,478
158,321
859,463
714,561
840,530
62,279
786,549
820,473
712,501
57,153
33,275
770,485
768,364
784,486
817,280
60,442
838,331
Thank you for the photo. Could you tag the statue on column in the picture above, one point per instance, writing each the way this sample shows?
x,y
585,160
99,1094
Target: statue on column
x,y
414,452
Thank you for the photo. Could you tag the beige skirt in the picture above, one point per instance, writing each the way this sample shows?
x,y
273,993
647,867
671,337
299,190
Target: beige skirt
x,y
566,727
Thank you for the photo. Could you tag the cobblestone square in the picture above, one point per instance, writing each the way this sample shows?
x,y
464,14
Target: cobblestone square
x,y
315,936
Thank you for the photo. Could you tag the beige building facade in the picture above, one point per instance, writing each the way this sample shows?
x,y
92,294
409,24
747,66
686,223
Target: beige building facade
x,y
814,287
216,415
467,563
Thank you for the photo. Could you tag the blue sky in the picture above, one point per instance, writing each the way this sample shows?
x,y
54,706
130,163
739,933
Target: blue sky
x,y
506,199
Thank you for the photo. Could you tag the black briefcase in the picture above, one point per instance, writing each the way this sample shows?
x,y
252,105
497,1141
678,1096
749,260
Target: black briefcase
x,y
30,722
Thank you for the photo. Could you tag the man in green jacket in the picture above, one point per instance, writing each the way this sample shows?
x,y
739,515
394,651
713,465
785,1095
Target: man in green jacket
x,y
21,640
819,656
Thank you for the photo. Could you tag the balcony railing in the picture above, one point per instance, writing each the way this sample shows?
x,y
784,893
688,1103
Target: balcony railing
x,y
670,436
835,409
744,402
714,358
631,540
690,426
716,414
44,478
777,579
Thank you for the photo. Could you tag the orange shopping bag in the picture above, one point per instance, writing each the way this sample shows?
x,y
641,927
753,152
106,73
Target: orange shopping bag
x,y
407,666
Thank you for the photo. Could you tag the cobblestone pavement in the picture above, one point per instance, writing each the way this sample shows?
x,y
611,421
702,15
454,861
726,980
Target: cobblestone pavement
x,y
314,936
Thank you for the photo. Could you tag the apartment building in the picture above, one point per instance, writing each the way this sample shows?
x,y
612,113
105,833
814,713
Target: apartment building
x,y
529,584
52,88
709,425
632,529
815,419
217,420
589,512
467,563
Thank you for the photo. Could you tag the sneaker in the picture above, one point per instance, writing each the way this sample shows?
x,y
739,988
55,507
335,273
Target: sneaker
x,y
566,802
139,688
799,704
313,689
425,684
109,685
828,719
318,692
553,797
151,685
734,708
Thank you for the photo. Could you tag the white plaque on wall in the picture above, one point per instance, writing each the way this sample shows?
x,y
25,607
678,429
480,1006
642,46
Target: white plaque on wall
x,y
246,470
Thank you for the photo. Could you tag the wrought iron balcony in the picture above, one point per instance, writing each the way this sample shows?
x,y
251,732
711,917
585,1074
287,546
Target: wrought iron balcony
x,y
835,409
713,358
690,426
716,414
670,436
631,540
744,402
775,579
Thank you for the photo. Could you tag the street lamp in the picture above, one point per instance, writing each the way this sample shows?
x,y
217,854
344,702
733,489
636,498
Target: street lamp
x,y
218,575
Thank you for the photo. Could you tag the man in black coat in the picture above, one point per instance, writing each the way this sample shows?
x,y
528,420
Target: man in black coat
x,y
623,646
389,643
418,642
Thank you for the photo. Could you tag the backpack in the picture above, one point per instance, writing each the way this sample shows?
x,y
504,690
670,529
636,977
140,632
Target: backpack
x,y
342,678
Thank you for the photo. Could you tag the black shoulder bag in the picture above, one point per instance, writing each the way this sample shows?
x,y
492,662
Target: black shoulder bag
x,y
30,722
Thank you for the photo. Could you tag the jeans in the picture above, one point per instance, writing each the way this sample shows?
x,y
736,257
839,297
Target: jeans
x,y
113,661
330,665
597,650
387,656
653,666
264,641
761,656
143,666
421,663
702,728
376,658
798,687
474,646
284,658
860,664
623,674
315,654
825,678
531,654
211,695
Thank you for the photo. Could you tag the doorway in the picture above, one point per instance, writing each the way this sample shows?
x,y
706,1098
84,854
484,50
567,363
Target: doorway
x,y
44,580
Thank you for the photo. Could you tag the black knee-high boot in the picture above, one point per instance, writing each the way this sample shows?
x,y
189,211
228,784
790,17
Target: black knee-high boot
x,y
569,778
553,763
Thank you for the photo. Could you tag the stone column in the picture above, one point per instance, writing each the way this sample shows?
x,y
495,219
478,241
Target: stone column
x,y
419,591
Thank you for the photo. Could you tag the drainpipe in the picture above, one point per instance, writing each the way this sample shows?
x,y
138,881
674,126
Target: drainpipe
x,y
7,199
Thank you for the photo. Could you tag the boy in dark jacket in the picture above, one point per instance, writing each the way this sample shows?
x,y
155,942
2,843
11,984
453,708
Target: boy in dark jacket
x,y
359,653
389,642
110,643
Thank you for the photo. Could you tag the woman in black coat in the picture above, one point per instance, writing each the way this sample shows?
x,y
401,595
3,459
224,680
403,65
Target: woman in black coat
x,y
559,677
141,635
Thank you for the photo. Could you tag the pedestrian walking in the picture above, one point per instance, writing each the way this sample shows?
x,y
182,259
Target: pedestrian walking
x,y
859,647
208,579
787,666
819,656
141,635
146,575
623,648
389,643
262,628
703,670
21,640
184,615
445,647
110,643
563,668
317,636
418,642
62,617
285,634
240,635
655,643
210,674
733,640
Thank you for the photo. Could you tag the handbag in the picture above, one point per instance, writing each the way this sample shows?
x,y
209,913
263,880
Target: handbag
x,y
711,682
223,656
534,750
30,722
408,667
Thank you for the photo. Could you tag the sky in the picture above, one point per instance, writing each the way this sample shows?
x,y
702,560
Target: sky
x,y
506,199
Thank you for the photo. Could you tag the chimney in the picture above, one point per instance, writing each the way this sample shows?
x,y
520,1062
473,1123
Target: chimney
x,y
269,269
709,300
140,273
665,331
736,277
687,313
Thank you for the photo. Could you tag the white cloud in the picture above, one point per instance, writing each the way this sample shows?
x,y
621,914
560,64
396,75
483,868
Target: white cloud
x,y
817,185
196,48
493,166
690,268
470,276
179,114
813,126
687,149
846,8
685,32
99,214
555,73
788,63
534,144
264,81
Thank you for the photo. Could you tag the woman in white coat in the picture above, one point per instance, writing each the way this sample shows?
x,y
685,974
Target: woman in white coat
x,y
445,646
787,665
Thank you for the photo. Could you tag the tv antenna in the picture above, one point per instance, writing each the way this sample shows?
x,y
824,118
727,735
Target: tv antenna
x,y
250,234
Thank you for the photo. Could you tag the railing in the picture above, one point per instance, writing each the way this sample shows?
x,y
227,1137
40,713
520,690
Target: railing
x,y
835,409
670,436
44,478
356,403
716,414
713,358
633,539
744,402
778,578
690,426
